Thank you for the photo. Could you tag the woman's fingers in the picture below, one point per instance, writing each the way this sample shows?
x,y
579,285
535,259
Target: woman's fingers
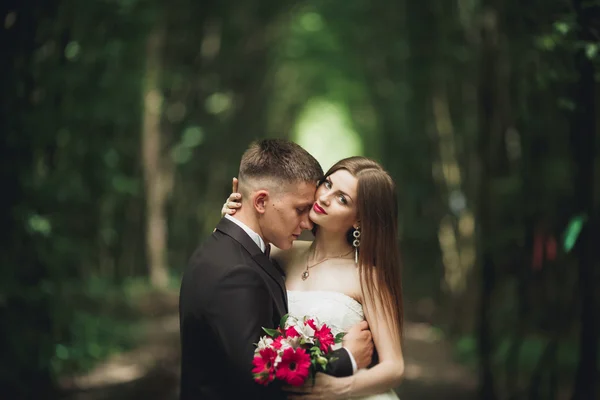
x,y
233,204
235,197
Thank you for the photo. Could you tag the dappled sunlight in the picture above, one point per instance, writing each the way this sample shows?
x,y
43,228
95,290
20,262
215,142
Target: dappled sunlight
x,y
325,130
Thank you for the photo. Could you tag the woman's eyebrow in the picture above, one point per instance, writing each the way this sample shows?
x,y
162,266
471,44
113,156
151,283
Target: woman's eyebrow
x,y
339,190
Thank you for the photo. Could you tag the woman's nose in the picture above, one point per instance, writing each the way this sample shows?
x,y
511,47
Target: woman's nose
x,y
324,198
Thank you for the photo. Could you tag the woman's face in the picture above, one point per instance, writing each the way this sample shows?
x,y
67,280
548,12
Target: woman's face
x,y
335,207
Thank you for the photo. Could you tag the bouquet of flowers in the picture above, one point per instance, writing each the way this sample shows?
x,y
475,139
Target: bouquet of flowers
x,y
297,349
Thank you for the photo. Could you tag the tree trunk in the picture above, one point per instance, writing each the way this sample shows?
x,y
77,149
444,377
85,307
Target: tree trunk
x,y
490,127
153,164
25,345
583,133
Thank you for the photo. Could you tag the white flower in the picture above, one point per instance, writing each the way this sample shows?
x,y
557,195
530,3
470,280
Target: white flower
x,y
290,342
306,333
264,342
291,321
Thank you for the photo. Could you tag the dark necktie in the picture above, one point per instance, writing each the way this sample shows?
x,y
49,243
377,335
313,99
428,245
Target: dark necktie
x,y
268,251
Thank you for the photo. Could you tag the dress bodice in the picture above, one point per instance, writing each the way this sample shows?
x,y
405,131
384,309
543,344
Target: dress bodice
x,y
339,311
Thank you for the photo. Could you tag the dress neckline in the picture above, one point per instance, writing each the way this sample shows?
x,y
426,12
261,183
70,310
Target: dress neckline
x,y
328,292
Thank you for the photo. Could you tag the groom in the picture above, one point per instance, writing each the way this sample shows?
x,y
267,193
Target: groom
x,y
231,289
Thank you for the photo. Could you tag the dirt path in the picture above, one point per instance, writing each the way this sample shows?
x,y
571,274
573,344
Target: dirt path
x,y
430,371
150,372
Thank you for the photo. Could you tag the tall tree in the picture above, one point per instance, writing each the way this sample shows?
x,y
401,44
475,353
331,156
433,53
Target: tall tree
x,y
156,172
25,312
584,131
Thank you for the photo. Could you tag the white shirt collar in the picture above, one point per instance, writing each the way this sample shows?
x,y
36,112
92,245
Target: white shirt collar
x,y
253,235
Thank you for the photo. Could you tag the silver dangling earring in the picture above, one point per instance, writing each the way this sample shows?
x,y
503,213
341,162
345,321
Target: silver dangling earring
x,y
356,243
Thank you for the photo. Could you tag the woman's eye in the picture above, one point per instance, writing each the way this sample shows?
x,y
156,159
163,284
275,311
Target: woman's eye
x,y
328,184
343,199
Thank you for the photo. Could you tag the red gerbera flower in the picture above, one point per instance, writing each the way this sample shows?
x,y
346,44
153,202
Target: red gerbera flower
x,y
294,366
325,337
323,334
264,366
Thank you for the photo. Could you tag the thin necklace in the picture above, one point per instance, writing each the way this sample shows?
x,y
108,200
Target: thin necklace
x,y
306,274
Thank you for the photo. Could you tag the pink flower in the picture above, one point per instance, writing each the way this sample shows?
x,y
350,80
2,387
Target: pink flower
x,y
294,366
325,337
291,332
311,323
264,366
277,342
323,334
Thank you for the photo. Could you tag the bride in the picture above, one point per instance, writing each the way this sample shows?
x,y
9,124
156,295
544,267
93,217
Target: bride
x,y
350,272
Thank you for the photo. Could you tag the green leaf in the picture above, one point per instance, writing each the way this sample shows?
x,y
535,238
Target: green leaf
x,y
272,332
218,103
283,320
573,231
591,49
192,137
39,224
312,22
62,352
562,27
111,158
339,337
181,154
72,50
124,184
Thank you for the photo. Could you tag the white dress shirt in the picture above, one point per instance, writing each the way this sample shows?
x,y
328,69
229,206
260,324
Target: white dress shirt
x,y
253,235
262,245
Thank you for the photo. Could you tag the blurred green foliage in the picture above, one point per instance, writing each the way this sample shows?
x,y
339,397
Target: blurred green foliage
x,y
472,106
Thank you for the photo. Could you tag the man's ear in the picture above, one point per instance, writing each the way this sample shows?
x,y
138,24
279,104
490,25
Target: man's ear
x,y
260,200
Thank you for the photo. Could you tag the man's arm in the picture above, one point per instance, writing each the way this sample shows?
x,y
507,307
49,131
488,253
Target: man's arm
x,y
356,353
341,366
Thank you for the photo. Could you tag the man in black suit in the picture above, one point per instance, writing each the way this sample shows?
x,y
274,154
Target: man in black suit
x,y
231,289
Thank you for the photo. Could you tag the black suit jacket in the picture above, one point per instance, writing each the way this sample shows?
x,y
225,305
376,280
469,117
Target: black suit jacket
x,y
229,291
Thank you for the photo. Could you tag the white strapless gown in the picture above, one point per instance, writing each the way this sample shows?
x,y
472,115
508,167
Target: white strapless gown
x,y
338,311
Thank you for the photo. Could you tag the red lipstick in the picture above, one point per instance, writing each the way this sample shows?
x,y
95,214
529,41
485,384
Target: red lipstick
x,y
318,209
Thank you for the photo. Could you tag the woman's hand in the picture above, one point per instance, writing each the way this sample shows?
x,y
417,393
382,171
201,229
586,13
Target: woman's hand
x,y
234,201
326,387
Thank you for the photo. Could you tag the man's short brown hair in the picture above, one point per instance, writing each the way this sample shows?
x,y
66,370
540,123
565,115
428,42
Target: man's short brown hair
x,y
278,160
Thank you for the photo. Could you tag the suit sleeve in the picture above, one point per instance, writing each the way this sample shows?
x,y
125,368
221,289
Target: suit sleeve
x,y
341,366
241,305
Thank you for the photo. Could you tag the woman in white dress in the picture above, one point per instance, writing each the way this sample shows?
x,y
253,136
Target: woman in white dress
x,y
350,272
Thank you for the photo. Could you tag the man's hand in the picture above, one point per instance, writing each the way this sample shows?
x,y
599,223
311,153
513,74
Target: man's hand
x,y
326,387
359,342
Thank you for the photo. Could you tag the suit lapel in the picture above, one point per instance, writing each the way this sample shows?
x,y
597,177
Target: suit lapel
x,y
266,264
231,229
